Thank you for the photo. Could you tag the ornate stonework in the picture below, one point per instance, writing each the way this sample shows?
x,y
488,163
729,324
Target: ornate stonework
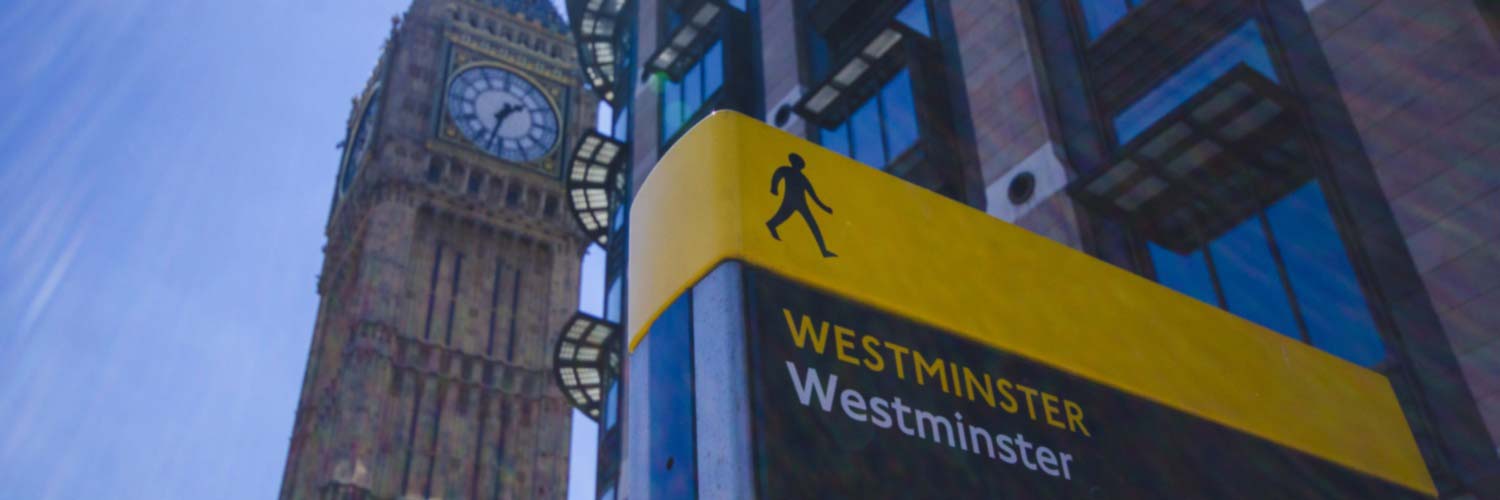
x,y
447,274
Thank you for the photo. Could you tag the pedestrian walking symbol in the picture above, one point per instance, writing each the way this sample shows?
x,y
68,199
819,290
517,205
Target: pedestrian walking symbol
x,y
798,190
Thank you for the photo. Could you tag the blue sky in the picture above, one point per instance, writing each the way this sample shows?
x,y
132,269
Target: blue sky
x,y
165,172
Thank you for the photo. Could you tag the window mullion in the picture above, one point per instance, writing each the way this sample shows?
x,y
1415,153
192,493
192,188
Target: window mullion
x,y
849,132
885,142
1213,269
1286,279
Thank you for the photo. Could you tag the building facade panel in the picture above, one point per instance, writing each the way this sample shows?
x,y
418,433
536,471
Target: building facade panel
x,y
780,66
1367,228
1005,106
1421,85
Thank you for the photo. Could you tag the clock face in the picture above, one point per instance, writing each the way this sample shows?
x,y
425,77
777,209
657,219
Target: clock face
x,y
359,143
503,114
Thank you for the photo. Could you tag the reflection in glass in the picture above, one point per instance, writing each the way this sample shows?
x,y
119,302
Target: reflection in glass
x,y
1185,273
914,15
864,126
900,114
670,373
1099,15
682,100
1333,309
618,218
692,95
1250,280
612,406
612,300
602,114
837,138
671,109
882,129
1333,306
1244,45
621,129
713,74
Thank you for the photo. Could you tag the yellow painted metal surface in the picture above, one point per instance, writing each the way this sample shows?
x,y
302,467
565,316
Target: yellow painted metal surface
x,y
911,252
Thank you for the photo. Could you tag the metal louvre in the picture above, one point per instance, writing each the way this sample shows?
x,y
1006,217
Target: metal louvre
x,y
857,78
1215,160
592,176
584,352
595,25
687,43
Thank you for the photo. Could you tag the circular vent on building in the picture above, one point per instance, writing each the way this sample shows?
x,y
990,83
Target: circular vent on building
x,y
1022,187
783,114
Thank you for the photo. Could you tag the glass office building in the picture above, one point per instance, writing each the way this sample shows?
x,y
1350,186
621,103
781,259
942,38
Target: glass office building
x,y
1324,169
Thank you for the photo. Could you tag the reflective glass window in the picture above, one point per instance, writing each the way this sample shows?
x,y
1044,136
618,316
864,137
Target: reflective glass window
x,y
681,101
818,55
900,114
692,95
1334,313
1333,306
1185,273
882,128
602,114
713,74
612,406
612,301
618,218
1099,15
1251,280
674,20
914,15
621,130
671,109
865,135
836,138
670,373
1242,46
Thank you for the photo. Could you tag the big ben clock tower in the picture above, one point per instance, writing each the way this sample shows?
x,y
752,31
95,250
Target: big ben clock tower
x,y
451,262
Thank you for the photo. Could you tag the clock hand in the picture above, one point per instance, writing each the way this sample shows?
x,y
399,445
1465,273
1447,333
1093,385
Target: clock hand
x,y
505,112
499,120
489,143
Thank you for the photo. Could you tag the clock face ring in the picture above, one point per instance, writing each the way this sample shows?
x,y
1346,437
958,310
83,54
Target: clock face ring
x,y
502,113
359,140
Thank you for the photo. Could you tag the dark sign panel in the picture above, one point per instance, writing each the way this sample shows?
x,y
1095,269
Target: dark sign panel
x,y
852,402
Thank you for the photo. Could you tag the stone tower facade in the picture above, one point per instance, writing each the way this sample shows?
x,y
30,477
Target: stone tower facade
x,y
451,265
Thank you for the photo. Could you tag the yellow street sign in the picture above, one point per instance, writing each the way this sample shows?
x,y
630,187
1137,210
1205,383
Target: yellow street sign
x,y
731,189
